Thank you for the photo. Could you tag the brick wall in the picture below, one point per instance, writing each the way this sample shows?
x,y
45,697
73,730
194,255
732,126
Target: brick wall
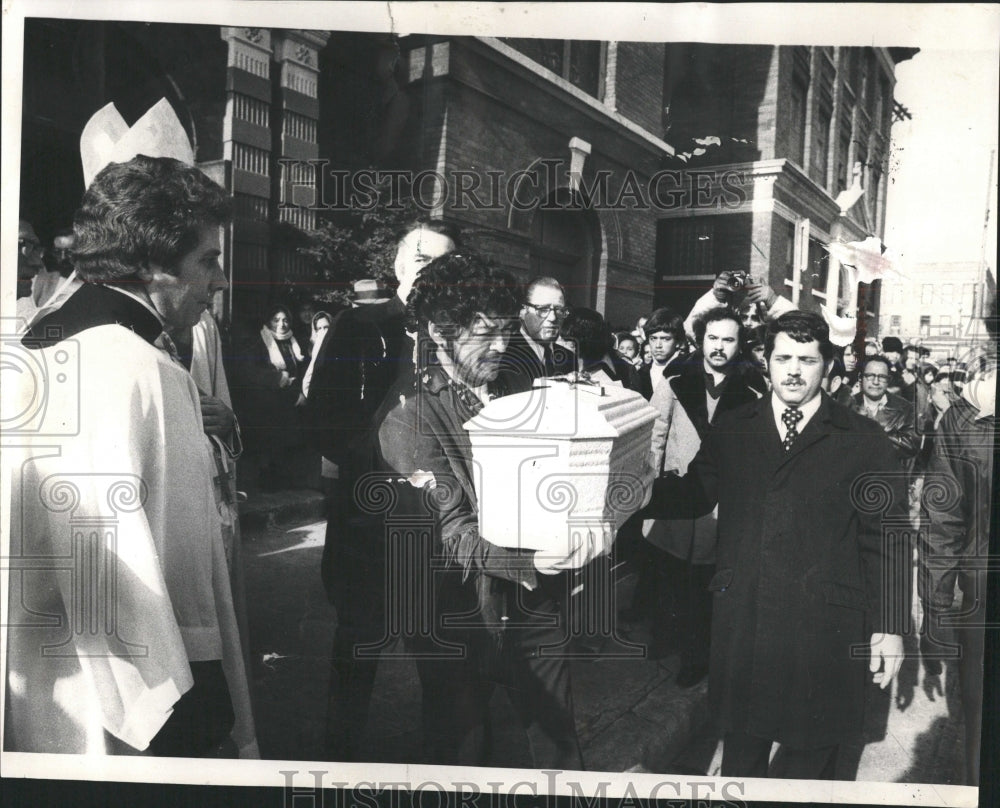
x,y
639,84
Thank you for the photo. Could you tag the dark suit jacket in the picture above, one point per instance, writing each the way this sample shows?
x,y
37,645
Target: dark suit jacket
x,y
352,372
808,566
521,366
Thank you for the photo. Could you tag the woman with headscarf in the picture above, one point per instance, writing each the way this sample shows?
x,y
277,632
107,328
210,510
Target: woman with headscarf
x,y
266,381
320,324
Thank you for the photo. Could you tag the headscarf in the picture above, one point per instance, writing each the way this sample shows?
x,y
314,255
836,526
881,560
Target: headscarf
x,y
271,340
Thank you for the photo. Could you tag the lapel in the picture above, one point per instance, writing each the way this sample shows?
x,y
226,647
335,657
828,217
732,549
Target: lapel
x,y
762,440
645,382
827,419
525,356
689,388
736,393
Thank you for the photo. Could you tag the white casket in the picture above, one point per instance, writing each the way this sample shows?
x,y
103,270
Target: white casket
x,y
559,459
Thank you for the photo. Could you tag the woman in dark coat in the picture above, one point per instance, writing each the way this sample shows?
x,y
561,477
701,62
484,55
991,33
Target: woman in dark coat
x,y
267,372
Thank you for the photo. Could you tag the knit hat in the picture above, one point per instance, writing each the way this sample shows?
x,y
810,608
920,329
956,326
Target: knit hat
x,y
892,344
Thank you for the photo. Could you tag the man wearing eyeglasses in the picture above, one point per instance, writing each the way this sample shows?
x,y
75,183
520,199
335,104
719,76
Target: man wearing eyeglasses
x,y
30,252
533,352
893,413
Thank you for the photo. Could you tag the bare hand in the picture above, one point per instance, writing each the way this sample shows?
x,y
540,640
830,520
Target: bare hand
x,y
585,546
286,380
216,417
887,654
721,289
757,291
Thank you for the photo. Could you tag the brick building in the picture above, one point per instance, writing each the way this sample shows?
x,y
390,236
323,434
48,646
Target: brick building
x,y
578,153
794,146
247,97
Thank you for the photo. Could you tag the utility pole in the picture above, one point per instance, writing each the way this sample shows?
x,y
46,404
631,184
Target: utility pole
x,y
979,309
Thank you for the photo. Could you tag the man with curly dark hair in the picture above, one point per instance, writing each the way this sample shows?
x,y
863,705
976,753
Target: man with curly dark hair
x,y
487,615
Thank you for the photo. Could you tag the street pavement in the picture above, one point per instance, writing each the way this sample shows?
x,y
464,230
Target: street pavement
x,y
630,714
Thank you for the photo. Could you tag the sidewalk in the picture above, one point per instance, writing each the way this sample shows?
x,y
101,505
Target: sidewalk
x,y
630,715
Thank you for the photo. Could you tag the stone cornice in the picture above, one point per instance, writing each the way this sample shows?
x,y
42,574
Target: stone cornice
x,y
565,92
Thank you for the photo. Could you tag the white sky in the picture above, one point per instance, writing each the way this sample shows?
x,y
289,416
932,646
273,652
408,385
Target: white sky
x,y
940,160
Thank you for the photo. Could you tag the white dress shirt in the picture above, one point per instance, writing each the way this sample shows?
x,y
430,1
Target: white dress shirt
x,y
808,411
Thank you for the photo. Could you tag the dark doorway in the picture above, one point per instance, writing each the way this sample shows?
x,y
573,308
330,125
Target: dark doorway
x,y
563,239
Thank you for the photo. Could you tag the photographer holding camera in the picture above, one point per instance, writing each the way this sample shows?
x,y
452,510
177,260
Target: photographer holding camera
x,y
752,297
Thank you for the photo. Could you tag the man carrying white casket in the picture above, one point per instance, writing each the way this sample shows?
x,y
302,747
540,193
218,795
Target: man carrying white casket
x,y
465,311
123,637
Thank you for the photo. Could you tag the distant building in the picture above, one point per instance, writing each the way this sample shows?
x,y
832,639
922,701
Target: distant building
x,y
937,304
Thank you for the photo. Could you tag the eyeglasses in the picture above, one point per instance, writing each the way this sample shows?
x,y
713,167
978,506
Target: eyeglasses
x,y
29,248
875,377
545,311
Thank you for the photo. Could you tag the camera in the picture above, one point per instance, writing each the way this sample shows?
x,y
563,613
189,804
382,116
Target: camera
x,y
738,279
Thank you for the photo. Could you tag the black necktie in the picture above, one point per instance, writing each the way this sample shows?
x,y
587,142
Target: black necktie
x,y
791,418
550,367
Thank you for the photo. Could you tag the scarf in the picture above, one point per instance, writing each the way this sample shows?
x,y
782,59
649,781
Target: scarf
x,y
274,352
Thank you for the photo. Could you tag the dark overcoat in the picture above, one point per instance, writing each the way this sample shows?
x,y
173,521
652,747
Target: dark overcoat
x,y
811,559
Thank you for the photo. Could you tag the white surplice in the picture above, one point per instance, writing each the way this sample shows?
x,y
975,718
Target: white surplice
x,y
119,574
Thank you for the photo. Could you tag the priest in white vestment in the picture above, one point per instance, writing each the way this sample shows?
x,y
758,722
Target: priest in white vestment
x,y
122,636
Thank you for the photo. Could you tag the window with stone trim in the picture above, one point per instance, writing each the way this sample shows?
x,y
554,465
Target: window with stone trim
x,y
580,62
685,247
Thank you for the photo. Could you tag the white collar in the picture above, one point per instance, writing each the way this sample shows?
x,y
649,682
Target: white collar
x,y
143,299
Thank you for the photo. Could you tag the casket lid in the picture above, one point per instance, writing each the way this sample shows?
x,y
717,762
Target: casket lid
x,y
561,410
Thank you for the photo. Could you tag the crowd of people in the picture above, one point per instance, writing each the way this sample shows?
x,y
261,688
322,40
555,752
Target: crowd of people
x,y
779,451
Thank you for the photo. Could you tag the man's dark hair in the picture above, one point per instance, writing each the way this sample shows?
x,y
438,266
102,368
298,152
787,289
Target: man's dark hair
x,y
876,358
801,326
453,288
592,335
665,319
149,209
716,316
435,226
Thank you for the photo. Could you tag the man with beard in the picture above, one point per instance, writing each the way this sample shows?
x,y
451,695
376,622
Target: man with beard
x,y
35,283
688,404
806,577
489,617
